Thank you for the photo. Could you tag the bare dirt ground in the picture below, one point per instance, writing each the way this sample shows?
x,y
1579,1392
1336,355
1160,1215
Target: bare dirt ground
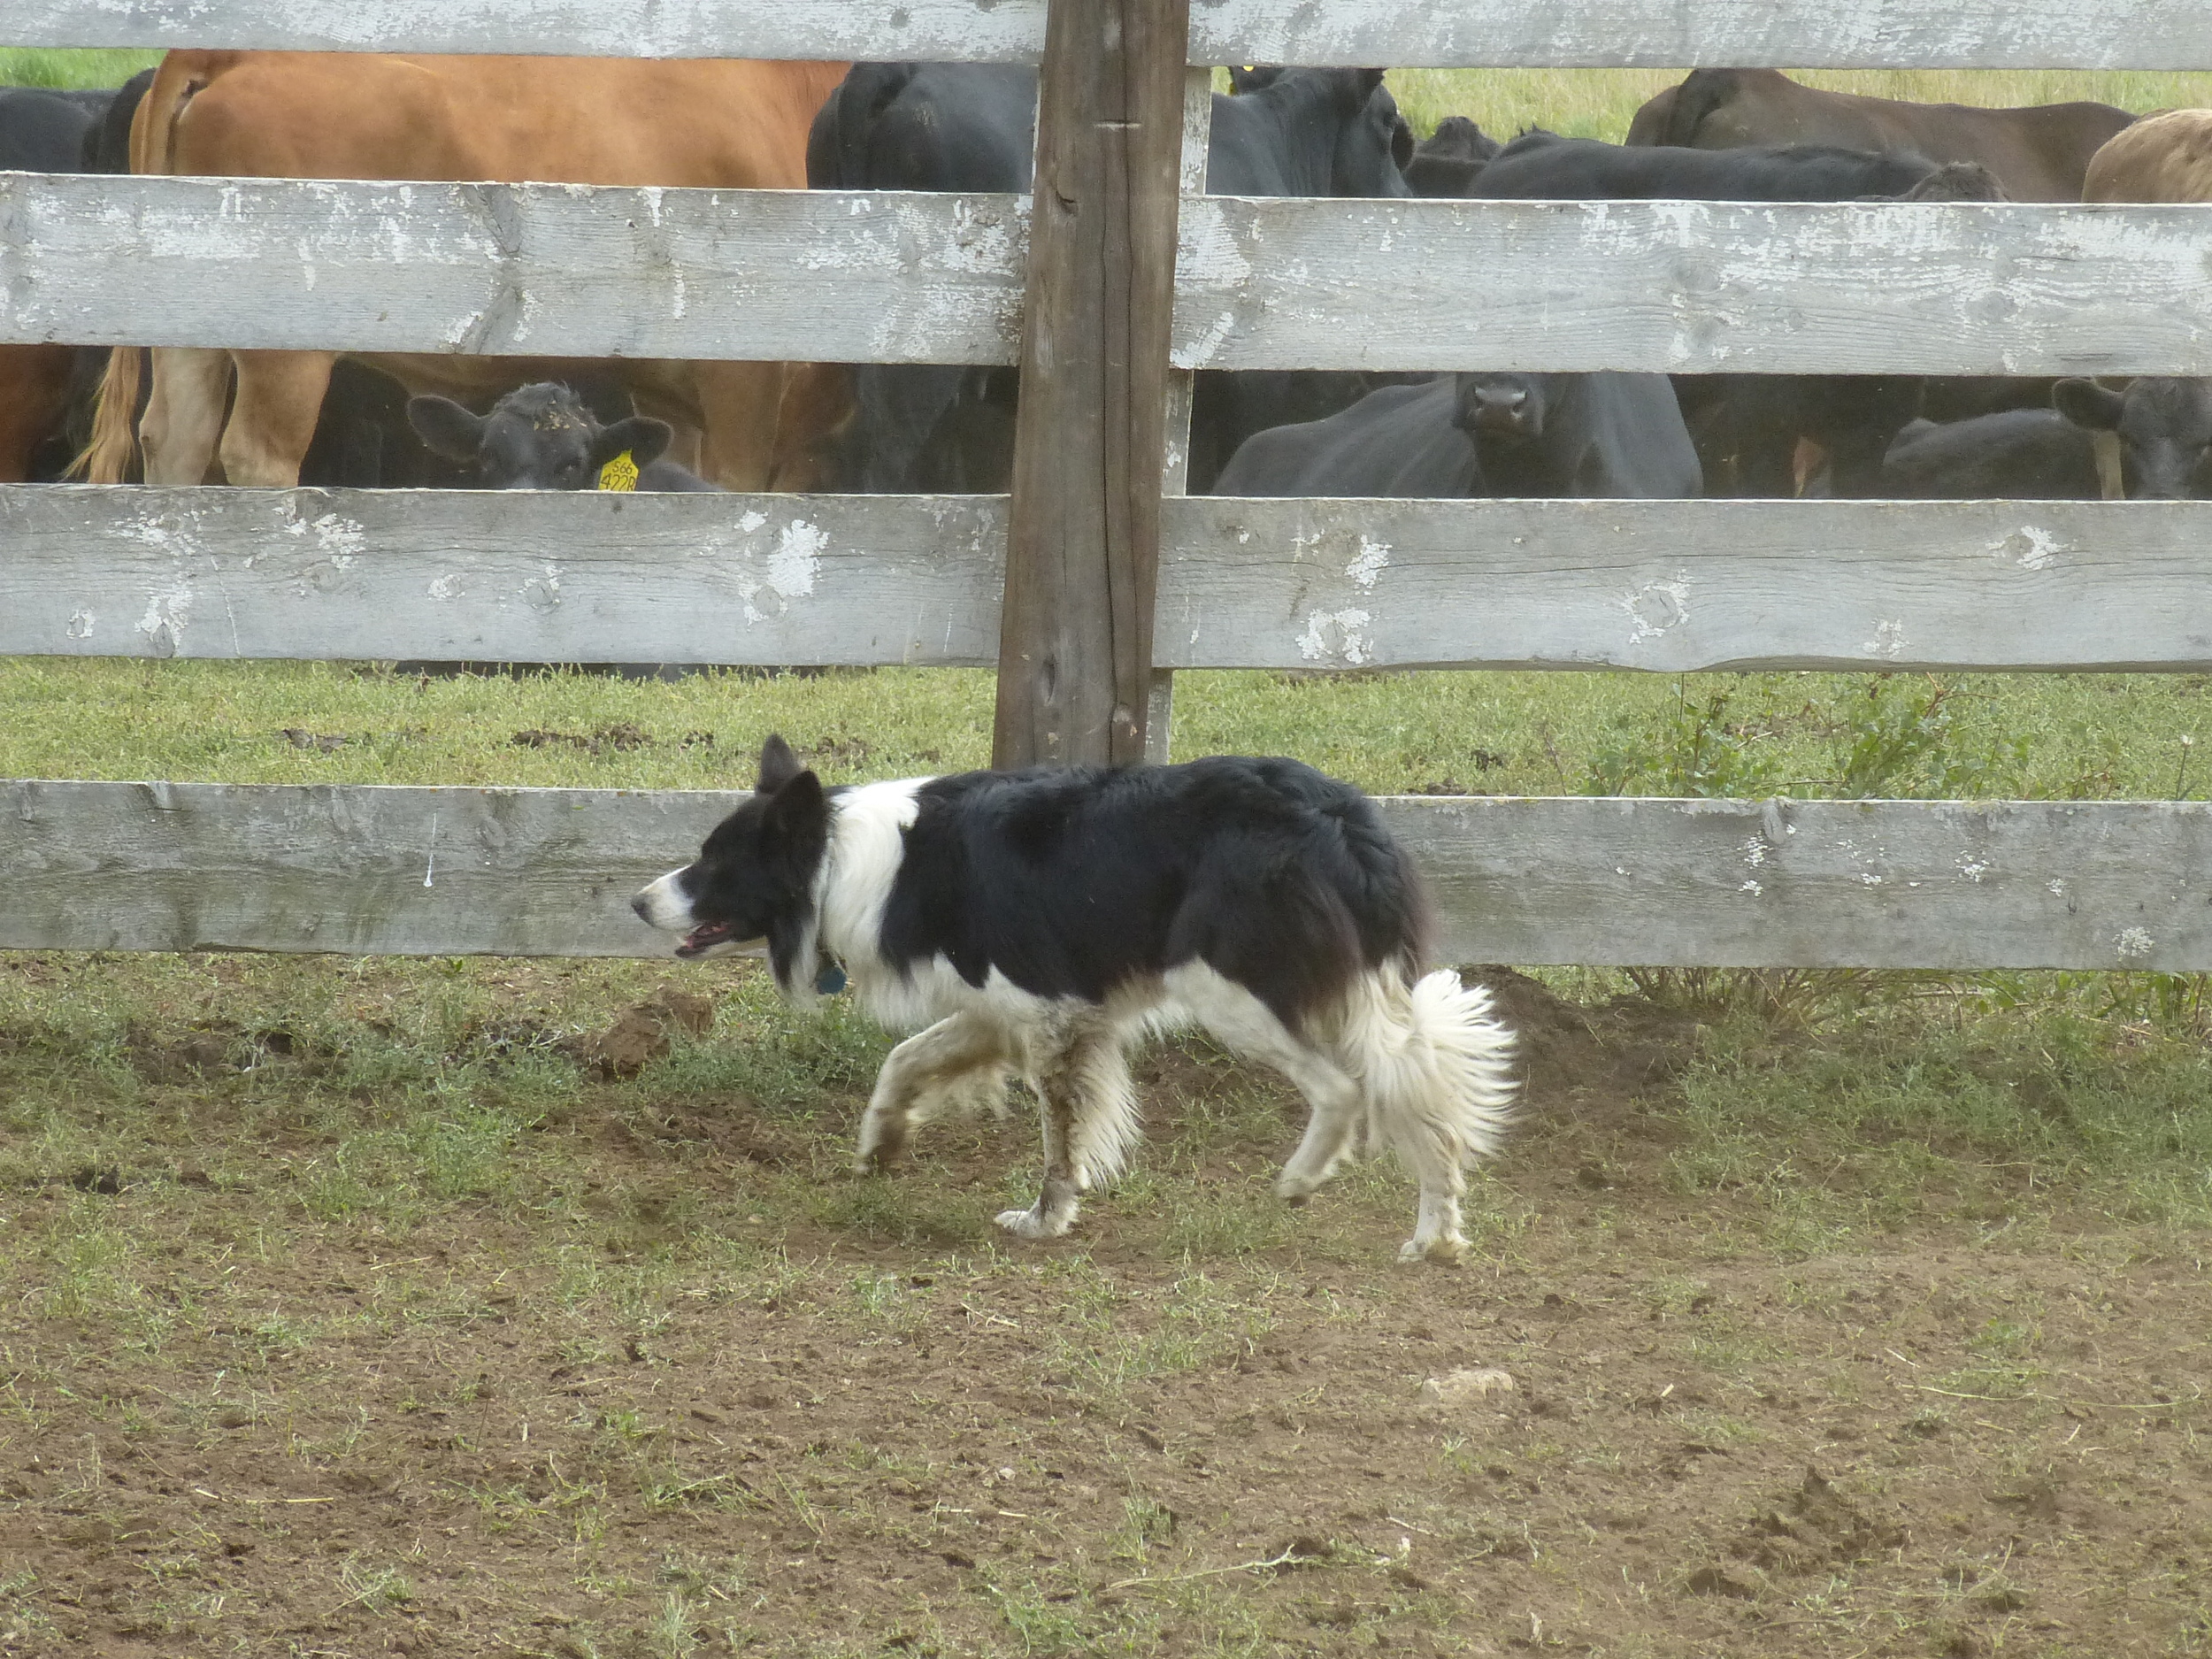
x,y
682,1385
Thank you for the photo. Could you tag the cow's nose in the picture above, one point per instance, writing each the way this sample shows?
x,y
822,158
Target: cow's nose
x,y
1501,397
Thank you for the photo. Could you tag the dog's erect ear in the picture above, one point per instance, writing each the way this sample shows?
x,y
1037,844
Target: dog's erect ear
x,y
778,765
2086,404
445,427
798,816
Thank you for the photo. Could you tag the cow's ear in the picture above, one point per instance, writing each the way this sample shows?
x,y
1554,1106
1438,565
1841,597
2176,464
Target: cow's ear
x,y
445,427
778,765
645,438
1360,87
2086,404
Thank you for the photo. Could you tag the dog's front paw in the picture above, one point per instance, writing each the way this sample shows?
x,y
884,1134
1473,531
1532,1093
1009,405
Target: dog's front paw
x,y
1294,1189
876,1160
1446,1247
1032,1223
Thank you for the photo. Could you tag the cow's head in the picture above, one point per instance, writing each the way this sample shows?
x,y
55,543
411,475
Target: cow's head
x,y
536,437
1501,406
1373,143
2164,426
1957,181
1458,137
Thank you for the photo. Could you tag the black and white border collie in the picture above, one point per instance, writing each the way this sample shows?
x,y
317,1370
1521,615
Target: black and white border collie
x,y
1043,921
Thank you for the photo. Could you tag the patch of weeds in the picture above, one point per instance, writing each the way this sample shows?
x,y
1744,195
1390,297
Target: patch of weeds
x,y
674,1632
1145,1524
376,1590
1697,750
1044,1621
663,1486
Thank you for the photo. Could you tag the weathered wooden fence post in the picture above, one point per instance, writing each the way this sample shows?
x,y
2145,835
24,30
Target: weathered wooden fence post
x,y
1075,653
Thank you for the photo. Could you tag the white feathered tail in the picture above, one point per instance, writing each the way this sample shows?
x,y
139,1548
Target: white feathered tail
x,y
1435,1070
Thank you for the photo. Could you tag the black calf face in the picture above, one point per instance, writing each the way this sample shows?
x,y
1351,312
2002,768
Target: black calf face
x,y
538,437
2165,429
1510,406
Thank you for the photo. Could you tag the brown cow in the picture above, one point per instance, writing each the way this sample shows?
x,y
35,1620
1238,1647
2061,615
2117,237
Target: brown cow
x,y
33,392
2162,157
2038,153
716,123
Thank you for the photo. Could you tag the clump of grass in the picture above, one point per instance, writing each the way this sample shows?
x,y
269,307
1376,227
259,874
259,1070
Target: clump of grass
x,y
33,67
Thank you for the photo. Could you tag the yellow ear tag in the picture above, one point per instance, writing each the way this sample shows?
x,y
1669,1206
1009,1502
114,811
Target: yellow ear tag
x,y
619,473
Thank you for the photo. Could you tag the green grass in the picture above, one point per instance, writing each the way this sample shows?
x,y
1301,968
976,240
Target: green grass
x,y
2065,736
24,66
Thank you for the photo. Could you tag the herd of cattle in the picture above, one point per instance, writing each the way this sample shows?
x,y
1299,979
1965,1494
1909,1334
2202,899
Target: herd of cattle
x,y
184,416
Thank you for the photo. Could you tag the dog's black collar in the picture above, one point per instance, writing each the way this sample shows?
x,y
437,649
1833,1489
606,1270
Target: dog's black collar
x,y
829,980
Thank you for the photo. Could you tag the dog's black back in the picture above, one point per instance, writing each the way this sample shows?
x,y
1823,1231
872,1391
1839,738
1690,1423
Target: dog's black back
x,y
1072,882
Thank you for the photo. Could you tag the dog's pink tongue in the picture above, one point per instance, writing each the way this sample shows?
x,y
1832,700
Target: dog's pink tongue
x,y
699,938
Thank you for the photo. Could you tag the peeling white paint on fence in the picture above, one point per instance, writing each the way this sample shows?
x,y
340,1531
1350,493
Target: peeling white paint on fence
x,y
406,573
1668,586
1694,287
560,269
1679,586
136,866
546,270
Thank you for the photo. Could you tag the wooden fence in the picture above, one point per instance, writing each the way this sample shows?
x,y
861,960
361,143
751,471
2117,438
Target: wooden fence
x,y
1656,585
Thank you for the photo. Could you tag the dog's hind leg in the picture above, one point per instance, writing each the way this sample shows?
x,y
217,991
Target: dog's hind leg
x,y
1083,1097
1240,1021
920,1076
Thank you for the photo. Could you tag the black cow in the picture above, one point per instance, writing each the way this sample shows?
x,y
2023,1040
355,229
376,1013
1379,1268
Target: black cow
x,y
1308,131
966,127
1447,163
2164,426
1749,427
107,140
1481,435
2032,454
43,130
1578,435
926,127
1296,132
545,437
1540,166
1396,440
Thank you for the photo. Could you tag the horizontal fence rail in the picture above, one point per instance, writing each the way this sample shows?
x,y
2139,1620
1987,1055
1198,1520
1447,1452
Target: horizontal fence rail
x,y
1677,586
1870,35
365,869
571,270
1662,585
535,270
1694,286
522,576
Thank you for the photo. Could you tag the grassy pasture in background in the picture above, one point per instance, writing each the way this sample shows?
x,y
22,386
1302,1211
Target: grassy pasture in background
x,y
360,1306
2058,736
27,66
